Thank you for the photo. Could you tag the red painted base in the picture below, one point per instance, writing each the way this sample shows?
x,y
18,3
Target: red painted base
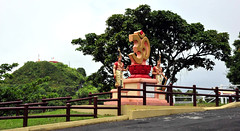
x,y
139,101
139,71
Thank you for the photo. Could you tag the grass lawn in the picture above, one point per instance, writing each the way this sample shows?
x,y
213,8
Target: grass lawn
x,y
17,123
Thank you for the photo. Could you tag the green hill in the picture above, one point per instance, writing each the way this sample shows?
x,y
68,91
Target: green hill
x,y
60,74
35,80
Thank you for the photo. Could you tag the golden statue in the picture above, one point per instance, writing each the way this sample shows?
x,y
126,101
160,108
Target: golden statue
x,y
158,74
141,48
118,69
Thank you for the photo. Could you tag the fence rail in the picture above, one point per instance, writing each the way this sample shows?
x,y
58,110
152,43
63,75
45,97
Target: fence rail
x,y
11,102
16,103
170,93
27,107
58,98
94,99
110,93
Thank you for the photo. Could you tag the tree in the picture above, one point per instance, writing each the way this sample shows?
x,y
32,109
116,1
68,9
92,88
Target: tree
x,y
180,44
82,71
234,63
84,91
101,80
4,68
190,91
178,91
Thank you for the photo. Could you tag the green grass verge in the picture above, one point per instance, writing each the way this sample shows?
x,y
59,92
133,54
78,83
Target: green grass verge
x,y
17,123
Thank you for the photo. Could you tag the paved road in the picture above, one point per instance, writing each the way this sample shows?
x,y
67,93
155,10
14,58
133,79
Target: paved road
x,y
215,120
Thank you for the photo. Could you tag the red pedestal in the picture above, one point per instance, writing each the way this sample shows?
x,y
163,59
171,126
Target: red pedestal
x,y
139,71
136,83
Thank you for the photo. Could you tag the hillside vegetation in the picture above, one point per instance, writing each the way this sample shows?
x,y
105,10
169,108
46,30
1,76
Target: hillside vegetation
x,y
59,74
35,80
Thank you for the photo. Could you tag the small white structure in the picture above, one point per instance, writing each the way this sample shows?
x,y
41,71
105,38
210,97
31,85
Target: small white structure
x,y
224,100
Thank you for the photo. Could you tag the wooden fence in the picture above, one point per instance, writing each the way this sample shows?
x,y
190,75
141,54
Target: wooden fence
x,y
93,98
16,103
30,106
118,107
170,93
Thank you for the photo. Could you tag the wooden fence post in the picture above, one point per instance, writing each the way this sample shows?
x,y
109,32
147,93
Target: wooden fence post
x,y
90,100
25,115
110,96
237,95
95,106
17,111
144,94
167,95
68,99
45,103
230,99
194,96
171,95
119,100
68,112
217,96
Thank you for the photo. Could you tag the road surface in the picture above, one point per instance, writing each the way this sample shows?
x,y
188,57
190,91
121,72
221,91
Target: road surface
x,y
214,120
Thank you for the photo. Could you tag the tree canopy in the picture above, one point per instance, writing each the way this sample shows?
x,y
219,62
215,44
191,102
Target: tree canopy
x,y
4,69
82,71
234,63
181,45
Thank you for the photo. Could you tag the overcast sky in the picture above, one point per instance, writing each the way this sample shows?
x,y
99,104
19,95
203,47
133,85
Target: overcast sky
x,y
29,28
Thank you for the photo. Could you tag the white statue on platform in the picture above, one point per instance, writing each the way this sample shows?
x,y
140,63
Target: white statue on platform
x,y
158,74
118,69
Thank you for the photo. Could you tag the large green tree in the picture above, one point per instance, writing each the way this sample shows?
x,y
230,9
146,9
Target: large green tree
x,y
181,45
234,64
4,69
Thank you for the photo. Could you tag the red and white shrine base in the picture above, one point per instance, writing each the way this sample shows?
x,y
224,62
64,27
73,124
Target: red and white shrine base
x,y
139,71
136,83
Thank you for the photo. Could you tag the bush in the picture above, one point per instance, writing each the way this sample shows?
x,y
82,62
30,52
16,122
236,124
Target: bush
x,y
201,101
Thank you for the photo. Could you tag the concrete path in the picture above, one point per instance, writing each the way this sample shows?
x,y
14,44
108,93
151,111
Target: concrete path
x,y
225,120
